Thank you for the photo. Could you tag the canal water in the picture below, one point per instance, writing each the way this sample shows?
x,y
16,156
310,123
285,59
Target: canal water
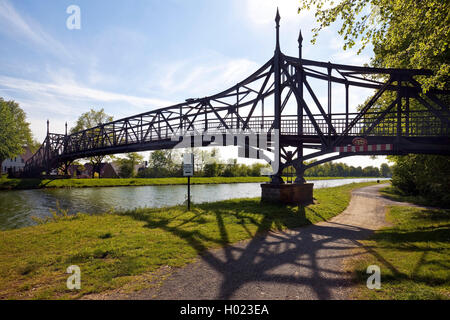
x,y
19,206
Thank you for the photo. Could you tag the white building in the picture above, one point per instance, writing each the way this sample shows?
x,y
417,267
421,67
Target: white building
x,y
16,164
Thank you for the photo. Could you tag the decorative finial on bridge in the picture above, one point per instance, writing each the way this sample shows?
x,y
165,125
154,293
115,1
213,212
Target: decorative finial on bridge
x,y
66,128
48,126
300,41
277,21
277,18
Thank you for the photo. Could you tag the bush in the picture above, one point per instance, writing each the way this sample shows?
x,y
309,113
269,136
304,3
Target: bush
x,y
423,175
213,169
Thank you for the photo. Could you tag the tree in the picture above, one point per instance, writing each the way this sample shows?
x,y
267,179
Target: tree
x,y
15,132
212,169
204,157
127,165
162,163
255,169
423,175
89,120
404,34
385,170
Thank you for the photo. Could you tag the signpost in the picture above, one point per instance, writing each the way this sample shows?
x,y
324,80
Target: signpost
x,y
188,171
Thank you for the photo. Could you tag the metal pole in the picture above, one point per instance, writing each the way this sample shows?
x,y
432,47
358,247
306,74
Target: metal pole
x,y
47,149
407,115
237,109
346,105
300,88
189,193
181,121
262,113
206,117
277,179
65,140
399,107
329,98
299,172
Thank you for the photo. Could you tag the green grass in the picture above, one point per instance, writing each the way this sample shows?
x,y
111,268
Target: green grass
x,y
414,256
12,184
86,183
393,194
126,250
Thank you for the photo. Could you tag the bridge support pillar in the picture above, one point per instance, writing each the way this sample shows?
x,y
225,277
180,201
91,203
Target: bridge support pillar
x,y
298,194
276,180
299,172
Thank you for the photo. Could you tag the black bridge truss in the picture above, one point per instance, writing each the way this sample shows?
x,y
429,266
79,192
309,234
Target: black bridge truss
x,y
414,121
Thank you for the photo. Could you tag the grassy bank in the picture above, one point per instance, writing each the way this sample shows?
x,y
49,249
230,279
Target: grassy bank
x,y
393,194
127,250
15,184
89,183
413,255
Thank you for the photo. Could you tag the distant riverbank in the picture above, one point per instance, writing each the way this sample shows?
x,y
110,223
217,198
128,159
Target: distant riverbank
x,y
21,184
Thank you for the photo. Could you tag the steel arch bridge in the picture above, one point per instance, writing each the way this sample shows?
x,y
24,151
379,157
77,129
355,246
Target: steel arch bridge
x,y
414,121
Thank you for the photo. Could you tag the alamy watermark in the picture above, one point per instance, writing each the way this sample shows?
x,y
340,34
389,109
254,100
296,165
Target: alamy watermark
x,y
74,281
73,22
374,280
250,144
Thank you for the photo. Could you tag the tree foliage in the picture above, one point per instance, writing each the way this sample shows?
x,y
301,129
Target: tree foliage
x,y
163,163
404,33
91,119
127,165
15,131
167,163
423,175
339,169
88,120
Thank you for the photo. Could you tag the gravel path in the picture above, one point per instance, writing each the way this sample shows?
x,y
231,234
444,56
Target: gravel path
x,y
304,263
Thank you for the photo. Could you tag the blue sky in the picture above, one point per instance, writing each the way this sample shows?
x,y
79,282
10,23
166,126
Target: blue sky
x,y
138,55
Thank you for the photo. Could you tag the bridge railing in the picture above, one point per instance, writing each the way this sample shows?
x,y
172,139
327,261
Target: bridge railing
x,y
418,123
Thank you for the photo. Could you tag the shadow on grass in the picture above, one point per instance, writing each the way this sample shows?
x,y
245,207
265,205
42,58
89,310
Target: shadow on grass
x,y
391,193
264,257
423,235
396,276
405,237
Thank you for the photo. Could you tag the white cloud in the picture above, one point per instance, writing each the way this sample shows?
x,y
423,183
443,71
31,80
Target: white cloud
x,y
204,79
70,90
12,24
